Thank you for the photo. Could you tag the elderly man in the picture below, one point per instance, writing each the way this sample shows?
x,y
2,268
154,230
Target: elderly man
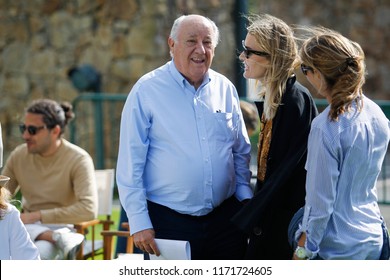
x,y
183,163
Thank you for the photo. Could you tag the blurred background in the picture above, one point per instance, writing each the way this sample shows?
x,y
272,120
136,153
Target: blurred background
x,y
91,52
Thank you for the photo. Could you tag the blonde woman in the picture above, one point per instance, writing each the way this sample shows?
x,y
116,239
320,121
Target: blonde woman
x,y
286,109
347,145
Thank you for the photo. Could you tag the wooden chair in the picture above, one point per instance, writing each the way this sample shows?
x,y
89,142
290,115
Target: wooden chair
x,y
105,180
108,238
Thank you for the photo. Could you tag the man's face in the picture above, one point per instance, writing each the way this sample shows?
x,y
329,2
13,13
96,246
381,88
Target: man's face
x,y
40,142
193,52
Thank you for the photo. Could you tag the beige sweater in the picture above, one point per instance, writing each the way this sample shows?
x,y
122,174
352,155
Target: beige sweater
x,y
62,186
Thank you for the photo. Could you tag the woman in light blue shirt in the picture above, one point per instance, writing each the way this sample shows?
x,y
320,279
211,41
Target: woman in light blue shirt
x,y
347,145
15,241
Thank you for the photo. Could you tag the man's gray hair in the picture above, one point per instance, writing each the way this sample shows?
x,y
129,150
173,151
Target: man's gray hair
x,y
179,20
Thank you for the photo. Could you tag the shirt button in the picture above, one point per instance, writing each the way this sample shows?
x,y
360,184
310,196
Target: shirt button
x,y
257,231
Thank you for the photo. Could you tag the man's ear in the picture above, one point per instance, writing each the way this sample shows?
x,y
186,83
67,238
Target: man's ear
x,y
56,130
171,43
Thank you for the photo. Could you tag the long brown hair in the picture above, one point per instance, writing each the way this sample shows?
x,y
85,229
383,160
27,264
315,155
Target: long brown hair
x,y
342,64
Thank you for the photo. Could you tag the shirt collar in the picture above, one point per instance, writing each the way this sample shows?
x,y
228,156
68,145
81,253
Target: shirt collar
x,y
181,80
290,82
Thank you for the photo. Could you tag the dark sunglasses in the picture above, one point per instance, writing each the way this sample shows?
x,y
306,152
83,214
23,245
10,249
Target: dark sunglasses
x,y
305,68
32,130
248,52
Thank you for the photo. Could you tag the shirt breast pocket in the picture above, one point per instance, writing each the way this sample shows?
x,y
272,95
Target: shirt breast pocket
x,y
223,126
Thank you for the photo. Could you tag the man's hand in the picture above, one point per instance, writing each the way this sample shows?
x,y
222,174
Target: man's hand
x,y
30,218
144,240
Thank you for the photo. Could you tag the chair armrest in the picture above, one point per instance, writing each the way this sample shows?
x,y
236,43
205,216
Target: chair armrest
x,y
80,227
106,224
108,238
119,233
125,225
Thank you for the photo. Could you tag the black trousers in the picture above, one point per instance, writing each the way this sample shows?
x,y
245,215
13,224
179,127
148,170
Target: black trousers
x,y
212,237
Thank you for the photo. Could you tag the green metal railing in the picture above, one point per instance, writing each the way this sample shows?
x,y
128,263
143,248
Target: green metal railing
x,y
104,110
97,122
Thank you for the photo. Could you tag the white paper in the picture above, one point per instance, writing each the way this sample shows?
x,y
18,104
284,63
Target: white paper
x,y
123,256
172,250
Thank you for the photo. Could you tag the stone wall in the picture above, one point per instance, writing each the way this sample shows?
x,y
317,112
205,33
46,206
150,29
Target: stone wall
x,y
40,40
364,21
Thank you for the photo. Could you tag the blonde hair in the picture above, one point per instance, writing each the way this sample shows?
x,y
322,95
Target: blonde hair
x,y
275,37
342,64
4,199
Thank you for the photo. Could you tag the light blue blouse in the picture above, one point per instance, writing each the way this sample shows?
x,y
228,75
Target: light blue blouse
x,y
342,217
15,242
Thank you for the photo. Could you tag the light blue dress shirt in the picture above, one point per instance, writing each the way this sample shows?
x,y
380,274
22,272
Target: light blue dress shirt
x,y
342,217
179,147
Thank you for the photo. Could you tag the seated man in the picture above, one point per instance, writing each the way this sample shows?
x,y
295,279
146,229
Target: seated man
x,y
56,180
